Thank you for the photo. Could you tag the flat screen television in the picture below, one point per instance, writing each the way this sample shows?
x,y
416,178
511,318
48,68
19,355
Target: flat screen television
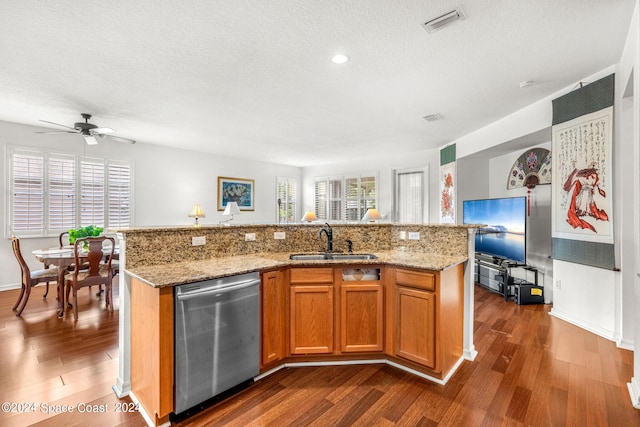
x,y
505,235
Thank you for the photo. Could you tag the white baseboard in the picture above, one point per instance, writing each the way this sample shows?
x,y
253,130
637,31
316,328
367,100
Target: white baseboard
x,y
368,362
584,325
626,345
10,287
144,413
634,393
470,354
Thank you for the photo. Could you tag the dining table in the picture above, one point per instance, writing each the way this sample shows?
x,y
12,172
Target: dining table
x,y
63,258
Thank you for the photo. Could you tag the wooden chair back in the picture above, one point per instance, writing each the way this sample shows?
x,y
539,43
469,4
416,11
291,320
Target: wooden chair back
x,y
24,267
96,269
93,262
30,278
63,239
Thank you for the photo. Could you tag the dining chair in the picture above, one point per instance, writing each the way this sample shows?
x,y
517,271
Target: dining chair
x,y
30,278
98,271
64,241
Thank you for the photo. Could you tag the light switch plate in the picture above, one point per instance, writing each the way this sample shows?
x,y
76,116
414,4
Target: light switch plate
x,y
414,235
250,237
403,235
279,235
198,241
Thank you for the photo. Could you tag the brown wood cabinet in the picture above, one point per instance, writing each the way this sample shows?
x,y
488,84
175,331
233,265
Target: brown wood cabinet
x,y
428,317
416,325
311,311
273,317
361,316
152,349
411,316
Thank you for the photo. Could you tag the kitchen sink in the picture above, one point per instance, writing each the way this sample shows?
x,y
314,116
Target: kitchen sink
x,y
331,257
351,256
308,257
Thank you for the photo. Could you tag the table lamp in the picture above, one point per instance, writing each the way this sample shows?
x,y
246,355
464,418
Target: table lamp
x,y
230,210
309,216
196,213
372,215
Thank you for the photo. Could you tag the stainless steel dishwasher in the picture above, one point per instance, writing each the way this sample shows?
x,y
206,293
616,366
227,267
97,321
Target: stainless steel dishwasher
x,y
217,337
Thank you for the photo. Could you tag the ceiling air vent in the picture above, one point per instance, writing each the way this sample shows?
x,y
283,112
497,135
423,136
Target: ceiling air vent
x,y
433,117
443,20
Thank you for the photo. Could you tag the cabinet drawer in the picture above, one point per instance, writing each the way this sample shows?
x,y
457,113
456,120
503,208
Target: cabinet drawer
x,y
311,275
416,279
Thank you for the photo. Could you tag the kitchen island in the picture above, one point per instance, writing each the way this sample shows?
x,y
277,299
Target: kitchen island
x,y
367,318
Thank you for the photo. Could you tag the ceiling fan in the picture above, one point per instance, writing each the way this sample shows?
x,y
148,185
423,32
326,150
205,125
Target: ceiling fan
x,y
88,131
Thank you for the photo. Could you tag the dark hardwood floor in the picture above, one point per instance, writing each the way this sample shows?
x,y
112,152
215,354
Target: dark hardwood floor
x,y
532,369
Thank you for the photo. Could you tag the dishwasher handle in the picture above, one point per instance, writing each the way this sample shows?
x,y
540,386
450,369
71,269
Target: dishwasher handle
x,y
217,290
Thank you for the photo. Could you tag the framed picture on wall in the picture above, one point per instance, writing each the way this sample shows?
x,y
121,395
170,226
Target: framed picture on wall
x,y
237,190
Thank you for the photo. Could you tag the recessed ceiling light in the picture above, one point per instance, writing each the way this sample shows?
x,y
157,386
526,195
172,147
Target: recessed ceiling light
x,y
339,58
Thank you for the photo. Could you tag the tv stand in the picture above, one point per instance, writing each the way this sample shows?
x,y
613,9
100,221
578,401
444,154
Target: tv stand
x,y
494,274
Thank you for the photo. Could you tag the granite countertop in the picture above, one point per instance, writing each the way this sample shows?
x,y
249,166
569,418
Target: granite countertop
x,y
179,273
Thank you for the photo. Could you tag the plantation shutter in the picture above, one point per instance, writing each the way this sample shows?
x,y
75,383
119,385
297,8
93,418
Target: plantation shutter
x,y
27,204
286,196
62,193
344,198
352,199
335,200
321,198
92,193
119,195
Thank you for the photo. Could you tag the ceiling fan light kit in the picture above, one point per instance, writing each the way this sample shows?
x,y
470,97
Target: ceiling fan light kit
x,y
89,131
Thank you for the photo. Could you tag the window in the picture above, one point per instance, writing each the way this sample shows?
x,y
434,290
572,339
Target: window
x,y
52,192
344,198
286,196
409,196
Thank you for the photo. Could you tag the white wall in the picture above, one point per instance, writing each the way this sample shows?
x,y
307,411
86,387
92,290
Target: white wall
x,y
167,182
612,290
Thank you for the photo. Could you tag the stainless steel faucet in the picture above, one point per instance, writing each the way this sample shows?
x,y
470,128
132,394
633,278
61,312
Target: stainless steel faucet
x,y
329,232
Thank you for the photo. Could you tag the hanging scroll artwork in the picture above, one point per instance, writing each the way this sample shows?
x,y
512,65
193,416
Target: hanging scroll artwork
x,y
532,168
582,188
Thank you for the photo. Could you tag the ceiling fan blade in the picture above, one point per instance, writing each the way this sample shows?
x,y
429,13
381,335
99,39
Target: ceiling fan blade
x,y
64,126
102,131
123,140
58,131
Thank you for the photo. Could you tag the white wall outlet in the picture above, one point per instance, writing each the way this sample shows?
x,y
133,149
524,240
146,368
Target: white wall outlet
x,y
250,237
279,235
198,241
402,235
558,283
414,235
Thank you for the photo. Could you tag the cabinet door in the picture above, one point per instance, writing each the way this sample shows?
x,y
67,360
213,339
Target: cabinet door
x,y
361,317
273,317
415,323
311,319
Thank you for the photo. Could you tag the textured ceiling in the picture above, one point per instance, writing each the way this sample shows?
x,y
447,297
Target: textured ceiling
x,y
253,79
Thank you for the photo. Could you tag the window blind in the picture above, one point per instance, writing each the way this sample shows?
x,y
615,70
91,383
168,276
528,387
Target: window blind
x,y
52,192
27,193
62,193
345,198
92,193
119,195
286,196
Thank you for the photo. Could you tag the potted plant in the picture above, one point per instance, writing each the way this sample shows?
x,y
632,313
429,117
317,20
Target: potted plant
x,y
80,232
